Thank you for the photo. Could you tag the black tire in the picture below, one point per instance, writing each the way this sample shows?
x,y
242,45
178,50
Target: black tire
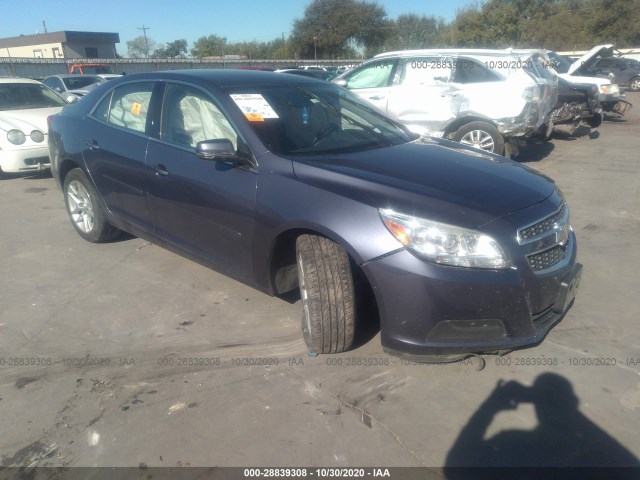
x,y
634,84
485,129
328,299
87,215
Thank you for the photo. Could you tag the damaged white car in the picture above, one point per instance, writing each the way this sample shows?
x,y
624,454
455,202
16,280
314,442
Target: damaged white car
x,y
489,99
24,107
609,95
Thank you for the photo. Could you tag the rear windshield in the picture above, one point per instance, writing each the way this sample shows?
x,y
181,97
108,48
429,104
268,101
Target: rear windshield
x,y
97,69
81,81
315,119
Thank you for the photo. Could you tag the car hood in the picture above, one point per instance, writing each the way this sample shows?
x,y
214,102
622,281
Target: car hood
x,y
586,59
580,79
27,120
430,177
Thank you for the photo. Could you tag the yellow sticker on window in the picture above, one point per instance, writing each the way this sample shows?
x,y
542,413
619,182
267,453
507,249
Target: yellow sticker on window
x,y
254,117
136,108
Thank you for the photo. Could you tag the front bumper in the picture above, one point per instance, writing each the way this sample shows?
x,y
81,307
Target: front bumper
x,y
428,309
25,160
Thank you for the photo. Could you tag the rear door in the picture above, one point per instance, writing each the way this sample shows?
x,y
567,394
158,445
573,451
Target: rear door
x,y
484,91
115,142
204,207
424,98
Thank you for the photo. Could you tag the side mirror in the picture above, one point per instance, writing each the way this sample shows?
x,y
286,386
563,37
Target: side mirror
x,y
217,149
221,150
72,98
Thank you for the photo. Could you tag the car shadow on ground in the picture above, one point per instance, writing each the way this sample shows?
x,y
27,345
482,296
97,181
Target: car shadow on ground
x,y
565,134
535,152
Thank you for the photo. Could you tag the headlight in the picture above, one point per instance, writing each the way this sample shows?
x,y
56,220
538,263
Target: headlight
x,y
445,244
16,137
37,136
610,89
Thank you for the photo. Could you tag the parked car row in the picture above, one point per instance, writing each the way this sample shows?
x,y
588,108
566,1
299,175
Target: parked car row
x,y
491,99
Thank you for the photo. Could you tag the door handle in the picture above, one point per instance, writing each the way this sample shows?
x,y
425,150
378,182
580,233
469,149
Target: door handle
x,y
377,97
449,95
161,170
93,145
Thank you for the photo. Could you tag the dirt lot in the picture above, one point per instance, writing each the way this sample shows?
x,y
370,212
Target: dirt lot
x,y
125,354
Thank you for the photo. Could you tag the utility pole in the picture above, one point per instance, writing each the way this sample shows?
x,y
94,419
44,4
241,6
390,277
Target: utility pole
x,y
146,43
44,25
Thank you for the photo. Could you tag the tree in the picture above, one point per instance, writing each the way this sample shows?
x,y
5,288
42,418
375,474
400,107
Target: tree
x,y
140,47
209,46
177,48
414,31
332,28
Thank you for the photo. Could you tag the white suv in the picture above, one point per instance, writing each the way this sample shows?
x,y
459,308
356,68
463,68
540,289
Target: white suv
x,y
485,98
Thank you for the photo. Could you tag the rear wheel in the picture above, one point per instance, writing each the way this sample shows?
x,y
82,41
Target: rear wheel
x,y
85,208
634,84
326,288
481,135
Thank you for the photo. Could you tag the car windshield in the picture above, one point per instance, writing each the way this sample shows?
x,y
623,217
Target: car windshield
x,y
22,96
81,81
560,64
315,119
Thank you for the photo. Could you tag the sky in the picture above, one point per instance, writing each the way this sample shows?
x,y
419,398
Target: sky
x,y
168,20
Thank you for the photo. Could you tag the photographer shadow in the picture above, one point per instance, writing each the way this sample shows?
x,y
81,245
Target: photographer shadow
x,y
564,437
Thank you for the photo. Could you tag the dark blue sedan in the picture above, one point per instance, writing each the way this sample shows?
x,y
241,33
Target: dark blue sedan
x,y
286,183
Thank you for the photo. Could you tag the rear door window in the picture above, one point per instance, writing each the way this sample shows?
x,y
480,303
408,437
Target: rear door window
x,y
129,106
472,71
427,70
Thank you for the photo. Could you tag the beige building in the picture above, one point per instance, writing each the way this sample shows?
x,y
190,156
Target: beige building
x,y
61,45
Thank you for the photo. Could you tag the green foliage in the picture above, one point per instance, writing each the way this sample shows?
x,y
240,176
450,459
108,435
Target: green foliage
x,y
335,28
177,48
341,29
140,48
551,24
209,46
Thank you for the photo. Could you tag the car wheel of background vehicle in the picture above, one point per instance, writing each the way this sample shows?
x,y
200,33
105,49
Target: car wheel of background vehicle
x,y
327,292
481,135
595,121
85,208
634,84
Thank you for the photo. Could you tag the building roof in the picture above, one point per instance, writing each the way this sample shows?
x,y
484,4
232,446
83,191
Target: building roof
x,y
59,37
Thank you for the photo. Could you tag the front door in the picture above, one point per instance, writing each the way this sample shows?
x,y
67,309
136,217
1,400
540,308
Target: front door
x,y
204,207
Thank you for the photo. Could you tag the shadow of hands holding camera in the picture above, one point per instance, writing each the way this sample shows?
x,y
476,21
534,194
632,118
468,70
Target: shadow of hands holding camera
x,y
563,437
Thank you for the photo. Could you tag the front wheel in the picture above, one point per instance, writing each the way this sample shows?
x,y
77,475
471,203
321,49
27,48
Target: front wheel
x,y
481,135
85,209
327,292
634,84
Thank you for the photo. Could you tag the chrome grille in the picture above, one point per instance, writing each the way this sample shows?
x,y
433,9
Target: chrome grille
x,y
547,258
542,226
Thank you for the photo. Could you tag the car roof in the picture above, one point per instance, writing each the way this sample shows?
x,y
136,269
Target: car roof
x,y
222,78
17,80
479,52
72,75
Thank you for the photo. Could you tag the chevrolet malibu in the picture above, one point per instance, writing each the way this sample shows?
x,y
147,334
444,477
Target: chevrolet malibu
x,y
286,183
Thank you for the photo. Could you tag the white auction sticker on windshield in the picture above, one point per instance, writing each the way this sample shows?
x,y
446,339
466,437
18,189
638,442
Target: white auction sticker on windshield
x,y
254,106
